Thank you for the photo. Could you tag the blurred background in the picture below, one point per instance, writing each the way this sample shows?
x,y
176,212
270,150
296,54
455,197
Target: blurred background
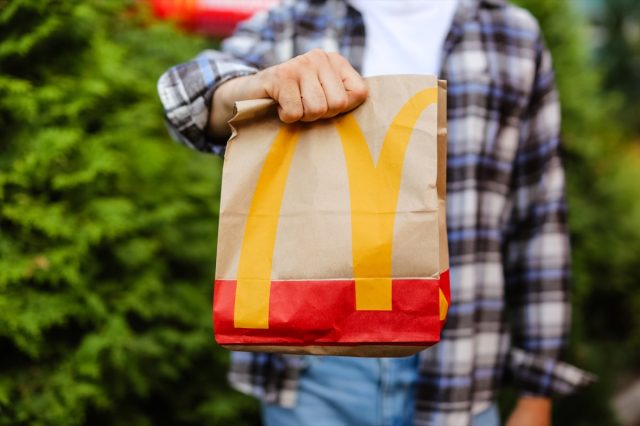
x,y
108,228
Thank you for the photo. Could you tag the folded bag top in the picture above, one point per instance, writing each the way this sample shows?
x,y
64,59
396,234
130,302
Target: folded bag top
x,y
332,234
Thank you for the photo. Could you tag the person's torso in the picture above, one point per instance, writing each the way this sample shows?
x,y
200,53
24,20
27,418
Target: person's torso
x,y
488,58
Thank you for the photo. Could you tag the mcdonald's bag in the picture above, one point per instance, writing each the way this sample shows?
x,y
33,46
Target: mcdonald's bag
x,y
332,235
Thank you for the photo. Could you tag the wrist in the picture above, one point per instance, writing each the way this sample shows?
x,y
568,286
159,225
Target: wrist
x,y
531,411
231,91
224,99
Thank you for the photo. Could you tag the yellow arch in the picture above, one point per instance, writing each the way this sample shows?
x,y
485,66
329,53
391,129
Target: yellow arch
x,y
251,309
374,192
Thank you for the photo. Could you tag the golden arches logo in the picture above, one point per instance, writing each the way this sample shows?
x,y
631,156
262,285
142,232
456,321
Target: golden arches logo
x,y
374,191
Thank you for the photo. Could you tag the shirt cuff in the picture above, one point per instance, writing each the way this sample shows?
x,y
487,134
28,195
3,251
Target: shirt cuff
x,y
187,117
539,375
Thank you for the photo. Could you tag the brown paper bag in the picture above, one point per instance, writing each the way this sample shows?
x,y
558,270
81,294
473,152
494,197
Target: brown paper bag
x,y
332,235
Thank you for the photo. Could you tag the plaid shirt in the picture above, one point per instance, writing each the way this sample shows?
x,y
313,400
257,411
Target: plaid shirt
x,y
506,213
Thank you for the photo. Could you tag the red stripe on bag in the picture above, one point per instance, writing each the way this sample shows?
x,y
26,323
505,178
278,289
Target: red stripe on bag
x,y
323,312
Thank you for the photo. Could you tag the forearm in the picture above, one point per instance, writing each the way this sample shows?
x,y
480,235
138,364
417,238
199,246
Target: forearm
x,y
225,97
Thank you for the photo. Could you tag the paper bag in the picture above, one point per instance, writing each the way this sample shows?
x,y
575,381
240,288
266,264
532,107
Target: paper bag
x,y
332,235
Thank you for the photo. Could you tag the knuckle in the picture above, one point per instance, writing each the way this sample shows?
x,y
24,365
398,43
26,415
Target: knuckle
x,y
290,115
334,55
304,60
317,53
360,91
318,110
316,56
340,104
285,71
338,59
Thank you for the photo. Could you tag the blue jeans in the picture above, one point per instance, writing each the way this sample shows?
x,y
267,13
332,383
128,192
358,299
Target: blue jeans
x,y
343,391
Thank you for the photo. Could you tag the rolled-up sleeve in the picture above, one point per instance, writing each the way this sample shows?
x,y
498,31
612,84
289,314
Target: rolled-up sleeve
x,y
186,90
536,250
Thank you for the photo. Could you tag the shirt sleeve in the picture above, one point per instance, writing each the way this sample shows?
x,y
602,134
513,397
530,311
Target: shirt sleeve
x,y
536,249
186,90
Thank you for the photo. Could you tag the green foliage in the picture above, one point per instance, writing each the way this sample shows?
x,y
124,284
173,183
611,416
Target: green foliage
x,y
619,56
604,200
107,228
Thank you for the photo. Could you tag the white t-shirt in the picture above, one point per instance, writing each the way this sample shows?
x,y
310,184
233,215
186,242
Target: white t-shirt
x,y
404,36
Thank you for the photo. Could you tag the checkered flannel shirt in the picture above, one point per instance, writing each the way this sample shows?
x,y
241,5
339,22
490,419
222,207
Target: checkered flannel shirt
x,y
506,213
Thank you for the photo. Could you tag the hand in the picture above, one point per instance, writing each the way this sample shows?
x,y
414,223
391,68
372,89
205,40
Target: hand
x,y
531,411
308,87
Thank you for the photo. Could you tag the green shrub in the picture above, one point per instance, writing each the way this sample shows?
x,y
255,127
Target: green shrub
x,y
108,228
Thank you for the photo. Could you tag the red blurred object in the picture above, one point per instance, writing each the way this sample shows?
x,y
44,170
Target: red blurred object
x,y
214,17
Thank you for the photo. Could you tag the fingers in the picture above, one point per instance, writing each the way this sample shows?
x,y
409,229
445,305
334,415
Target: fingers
x,y
313,86
314,100
290,108
355,86
335,92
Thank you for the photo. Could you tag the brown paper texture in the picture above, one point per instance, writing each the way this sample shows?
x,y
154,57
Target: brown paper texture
x,y
313,240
